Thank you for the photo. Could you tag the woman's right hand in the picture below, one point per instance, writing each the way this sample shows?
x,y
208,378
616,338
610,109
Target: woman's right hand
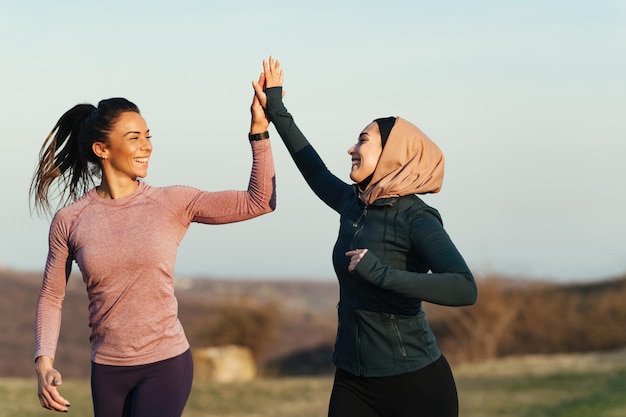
x,y
272,76
258,122
49,379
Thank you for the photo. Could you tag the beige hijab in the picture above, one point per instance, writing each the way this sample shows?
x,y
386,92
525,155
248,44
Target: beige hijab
x,y
410,163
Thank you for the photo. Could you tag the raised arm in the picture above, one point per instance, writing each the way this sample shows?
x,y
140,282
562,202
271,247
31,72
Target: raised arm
x,y
230,206
324,184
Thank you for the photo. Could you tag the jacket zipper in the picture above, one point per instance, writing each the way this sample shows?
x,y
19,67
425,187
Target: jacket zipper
x,y
402,349
358,344
358,225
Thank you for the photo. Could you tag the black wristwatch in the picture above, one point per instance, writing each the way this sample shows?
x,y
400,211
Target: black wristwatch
x,y
258,136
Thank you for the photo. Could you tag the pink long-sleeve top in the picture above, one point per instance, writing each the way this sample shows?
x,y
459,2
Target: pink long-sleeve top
x,y
126,250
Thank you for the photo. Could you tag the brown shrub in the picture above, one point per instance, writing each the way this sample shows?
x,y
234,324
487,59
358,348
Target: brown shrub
x,y
570,318
514,317
242,322
474,333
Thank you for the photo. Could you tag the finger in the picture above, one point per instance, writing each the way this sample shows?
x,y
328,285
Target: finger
x,y
54,393
259,94
44,402
61,402
52,400
258,89
275,68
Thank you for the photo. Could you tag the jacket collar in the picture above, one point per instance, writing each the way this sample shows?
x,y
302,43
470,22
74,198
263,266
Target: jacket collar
x,y
387,201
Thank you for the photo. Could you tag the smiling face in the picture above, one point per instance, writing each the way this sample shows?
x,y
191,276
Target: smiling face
x,y
365,153
127,152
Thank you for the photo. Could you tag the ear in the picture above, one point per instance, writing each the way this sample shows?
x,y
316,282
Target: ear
x,y
100,149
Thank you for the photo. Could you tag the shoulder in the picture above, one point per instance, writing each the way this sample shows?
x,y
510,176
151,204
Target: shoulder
x,y
66,216
418,208
171,192
175,198
74,208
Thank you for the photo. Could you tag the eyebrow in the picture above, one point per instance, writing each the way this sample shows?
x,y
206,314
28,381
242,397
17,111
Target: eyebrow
x,y
133,132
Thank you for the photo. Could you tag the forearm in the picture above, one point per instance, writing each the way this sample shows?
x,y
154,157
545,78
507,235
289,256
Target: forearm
x,y
289,132
47,324
52,292
447,288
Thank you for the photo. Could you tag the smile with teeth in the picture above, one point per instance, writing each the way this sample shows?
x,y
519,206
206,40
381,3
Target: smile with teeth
x,y
142,160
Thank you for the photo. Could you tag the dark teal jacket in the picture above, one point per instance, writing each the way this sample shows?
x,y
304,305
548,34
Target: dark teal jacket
x,y
382,328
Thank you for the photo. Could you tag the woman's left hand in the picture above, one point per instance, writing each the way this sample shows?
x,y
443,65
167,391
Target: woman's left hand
x,y
355,257
259,122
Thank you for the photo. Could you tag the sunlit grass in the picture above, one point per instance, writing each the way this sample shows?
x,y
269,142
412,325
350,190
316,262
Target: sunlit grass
x,y
544,387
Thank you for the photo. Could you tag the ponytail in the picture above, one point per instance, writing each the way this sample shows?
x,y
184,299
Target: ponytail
x,y
66,157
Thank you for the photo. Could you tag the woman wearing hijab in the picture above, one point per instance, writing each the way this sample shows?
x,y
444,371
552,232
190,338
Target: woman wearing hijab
x,y
391,254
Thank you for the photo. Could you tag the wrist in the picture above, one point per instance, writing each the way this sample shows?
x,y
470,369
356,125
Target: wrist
x,y
258,136
258,128
44,361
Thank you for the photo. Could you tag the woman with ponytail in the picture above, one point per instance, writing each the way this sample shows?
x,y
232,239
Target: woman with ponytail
x,y
391,254
123,234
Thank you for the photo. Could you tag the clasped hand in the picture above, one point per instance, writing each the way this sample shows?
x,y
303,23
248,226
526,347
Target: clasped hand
x,y
355,256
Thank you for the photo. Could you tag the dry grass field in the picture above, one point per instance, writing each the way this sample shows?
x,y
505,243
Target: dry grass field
x,y
519,352
576,385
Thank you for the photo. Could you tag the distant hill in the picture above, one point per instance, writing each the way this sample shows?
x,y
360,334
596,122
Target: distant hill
x,y
306,322
291,324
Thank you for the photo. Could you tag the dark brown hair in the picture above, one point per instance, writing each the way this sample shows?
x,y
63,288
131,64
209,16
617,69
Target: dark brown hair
x,y
66,158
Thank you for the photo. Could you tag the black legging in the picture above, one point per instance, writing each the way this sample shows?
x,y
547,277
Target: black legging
x,y
159,389
427,392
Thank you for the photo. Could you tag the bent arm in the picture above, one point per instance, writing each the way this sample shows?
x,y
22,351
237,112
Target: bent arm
x,y
450,281
231,206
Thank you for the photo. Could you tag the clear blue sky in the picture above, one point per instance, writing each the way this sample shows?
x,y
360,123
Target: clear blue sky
x,y
526,99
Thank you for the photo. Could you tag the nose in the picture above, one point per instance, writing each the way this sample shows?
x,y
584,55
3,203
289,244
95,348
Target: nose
x,y
351,149
146,144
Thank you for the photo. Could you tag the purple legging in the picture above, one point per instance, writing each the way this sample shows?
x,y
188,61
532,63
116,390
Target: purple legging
x,y
427,392
157,389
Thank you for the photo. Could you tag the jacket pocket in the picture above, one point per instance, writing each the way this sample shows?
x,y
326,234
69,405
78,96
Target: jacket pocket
x,y
394,342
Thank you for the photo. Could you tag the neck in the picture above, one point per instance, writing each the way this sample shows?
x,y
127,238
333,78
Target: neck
x,y
363,184
117,190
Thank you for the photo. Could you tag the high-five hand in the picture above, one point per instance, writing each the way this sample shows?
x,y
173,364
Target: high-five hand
x,y
259,122
272,76
273,73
